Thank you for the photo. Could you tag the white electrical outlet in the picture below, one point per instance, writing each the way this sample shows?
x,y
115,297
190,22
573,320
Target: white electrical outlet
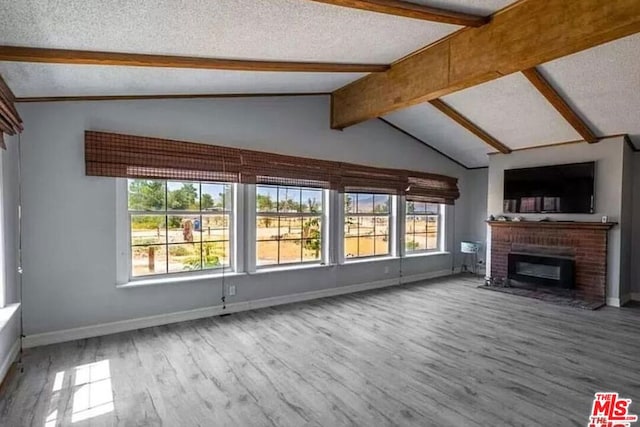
x,y
386,270
232,290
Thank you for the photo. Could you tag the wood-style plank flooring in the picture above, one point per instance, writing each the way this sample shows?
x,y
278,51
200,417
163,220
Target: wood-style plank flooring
x,y
439,353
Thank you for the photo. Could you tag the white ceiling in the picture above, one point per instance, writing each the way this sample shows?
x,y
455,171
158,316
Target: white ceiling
x,y
603,85
29,79
296,30
428,124
511,110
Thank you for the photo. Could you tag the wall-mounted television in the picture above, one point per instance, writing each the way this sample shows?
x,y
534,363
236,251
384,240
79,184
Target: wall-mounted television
x,y
550,189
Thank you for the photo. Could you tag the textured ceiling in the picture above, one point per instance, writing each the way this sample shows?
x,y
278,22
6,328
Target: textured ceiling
x,y
511,110
603,85
27,80
428,124
300,30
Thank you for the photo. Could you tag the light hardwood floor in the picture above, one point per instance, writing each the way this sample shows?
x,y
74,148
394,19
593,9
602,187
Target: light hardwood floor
x,y
440,353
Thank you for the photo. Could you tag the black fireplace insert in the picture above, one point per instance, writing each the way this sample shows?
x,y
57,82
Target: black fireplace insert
x,y
539,269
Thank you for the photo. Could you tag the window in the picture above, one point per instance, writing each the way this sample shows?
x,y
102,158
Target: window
x,y
366,225
178,226
288,225
422,229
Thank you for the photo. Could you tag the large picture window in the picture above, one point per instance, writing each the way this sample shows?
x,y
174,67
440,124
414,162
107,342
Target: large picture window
x,y
288,225
366,225
422,227
178,226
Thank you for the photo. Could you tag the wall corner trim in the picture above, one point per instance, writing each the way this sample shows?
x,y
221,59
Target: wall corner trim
x,y
83,332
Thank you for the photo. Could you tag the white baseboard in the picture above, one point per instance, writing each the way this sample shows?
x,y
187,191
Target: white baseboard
x,y
198,313
619,302
613,302
9,359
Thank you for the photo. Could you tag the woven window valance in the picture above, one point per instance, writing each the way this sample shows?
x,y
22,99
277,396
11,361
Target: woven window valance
x,y
129,156
10,121
424,187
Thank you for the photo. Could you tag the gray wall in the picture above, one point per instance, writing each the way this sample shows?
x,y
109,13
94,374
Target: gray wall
x,y
69,241
477,187
635,236
610,156
626,223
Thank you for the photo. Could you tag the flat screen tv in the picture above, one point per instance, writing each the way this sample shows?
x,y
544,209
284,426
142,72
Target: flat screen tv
x,y
550,189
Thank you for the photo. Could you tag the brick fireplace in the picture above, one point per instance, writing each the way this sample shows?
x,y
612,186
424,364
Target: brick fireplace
x,y
585,243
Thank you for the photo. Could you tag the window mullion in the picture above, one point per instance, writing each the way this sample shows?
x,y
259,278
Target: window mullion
x,y
279,239
401,226
166,227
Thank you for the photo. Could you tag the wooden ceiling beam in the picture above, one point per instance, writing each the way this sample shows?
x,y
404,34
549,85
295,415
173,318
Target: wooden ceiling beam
x,y
412,10
554,98
85,57
529,33
468,125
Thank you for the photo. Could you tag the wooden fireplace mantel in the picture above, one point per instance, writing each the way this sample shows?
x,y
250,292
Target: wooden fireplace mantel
x,y
584,225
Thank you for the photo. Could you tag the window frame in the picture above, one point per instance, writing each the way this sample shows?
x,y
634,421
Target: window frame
x,y
323,215
392,220
230,212
439,229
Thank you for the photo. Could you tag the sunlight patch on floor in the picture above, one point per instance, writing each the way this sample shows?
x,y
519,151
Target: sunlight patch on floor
x,y
94,395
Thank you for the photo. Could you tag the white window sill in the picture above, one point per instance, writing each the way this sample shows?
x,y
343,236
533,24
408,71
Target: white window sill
x,y
6,314
389,258
369,259
421,254
276,269
178,279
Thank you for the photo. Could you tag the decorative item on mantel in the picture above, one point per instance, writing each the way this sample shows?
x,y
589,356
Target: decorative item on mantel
x,y
518,219
503,218
550,223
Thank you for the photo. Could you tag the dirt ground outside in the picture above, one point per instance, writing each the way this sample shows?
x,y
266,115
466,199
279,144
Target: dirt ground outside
x,y
279,241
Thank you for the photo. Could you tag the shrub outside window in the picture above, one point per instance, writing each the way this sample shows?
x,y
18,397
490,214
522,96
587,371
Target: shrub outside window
x,y
366,225
288,225
178,226
422,227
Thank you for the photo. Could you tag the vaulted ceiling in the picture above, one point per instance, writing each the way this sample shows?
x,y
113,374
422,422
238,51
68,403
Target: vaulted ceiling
x,y
600,85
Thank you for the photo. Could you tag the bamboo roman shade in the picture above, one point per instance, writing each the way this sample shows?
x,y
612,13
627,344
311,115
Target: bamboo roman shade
x,y
128,156
10,121
424,187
